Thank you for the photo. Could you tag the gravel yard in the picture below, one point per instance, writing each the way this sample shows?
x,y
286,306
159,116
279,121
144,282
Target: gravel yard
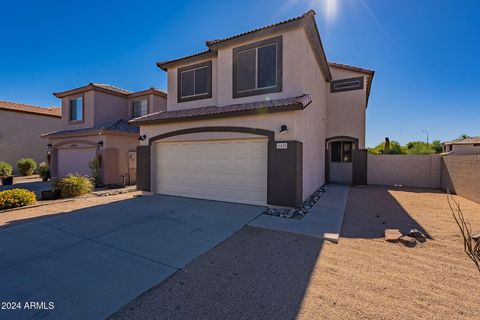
x,y
22,215
260,274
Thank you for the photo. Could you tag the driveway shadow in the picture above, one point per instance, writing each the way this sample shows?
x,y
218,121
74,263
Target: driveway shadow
x,y
373,209
255,274
35,186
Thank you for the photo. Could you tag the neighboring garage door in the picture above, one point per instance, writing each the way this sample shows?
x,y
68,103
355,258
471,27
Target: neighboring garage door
x,y
75,160
226,170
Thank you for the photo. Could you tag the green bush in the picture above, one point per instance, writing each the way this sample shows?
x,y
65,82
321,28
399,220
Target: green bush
x,y
5,169
73,185
43,170
26,166
16,198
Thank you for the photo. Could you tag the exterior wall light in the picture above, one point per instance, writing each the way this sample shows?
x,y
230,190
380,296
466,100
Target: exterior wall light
x,y
142,137
99,144
283,129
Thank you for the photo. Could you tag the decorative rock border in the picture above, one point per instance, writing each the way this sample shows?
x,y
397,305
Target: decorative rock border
x,y
299,212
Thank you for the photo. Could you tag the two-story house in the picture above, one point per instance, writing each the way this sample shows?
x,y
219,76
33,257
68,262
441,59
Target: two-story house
x,y
95,126
261,118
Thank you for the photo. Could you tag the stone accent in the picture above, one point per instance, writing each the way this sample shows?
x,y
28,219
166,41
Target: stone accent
x,y
299,212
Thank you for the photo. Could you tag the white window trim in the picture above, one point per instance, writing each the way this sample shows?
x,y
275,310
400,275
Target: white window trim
x,y
256,67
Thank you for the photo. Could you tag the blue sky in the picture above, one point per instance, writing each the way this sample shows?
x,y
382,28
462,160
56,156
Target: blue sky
x,y
426,54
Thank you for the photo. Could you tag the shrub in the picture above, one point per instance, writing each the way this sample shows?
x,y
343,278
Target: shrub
x,y
43,170
26,166
5,169
73,185
16,198
95,170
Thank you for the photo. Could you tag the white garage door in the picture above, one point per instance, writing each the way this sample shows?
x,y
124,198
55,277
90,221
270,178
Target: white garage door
x,y
75,160
226,170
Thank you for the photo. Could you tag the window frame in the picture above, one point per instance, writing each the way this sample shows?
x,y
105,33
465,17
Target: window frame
x,y
133,107
278,41
342,151
208,94
70,120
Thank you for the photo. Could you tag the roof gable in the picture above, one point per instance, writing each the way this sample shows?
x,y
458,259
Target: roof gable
x,y
306,21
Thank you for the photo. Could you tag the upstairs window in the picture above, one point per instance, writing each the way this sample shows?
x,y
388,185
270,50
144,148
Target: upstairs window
x,y
195,82
139,108
76,109
341,151
257,68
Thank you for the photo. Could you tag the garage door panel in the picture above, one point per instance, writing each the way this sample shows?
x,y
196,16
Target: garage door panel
x,y
75,160
228,170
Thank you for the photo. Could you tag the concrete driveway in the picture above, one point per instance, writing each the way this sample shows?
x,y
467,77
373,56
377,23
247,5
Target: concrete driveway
x,y
94,261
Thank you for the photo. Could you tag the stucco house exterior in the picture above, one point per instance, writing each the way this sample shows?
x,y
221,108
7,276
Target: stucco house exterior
x,y
463,146
260,118
20,129
94,125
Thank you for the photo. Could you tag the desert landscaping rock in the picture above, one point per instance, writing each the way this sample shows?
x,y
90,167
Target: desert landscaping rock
x,y
302,210
392,235
408,241
418,235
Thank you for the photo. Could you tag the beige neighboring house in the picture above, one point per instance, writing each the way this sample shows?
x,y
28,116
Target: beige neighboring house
x,y
20,128
260,118
469,145
95,126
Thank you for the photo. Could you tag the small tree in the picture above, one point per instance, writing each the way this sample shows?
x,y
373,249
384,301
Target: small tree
x,y
95,170
437,146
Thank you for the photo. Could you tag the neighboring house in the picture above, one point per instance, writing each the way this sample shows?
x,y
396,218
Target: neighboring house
x,y
469,145
95,126
20,128
258,118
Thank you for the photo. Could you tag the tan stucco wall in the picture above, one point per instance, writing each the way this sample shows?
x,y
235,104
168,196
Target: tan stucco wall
x,y
461,175
405,170
20,136
109,107
123,144
346,113
222,66
465,149
88,115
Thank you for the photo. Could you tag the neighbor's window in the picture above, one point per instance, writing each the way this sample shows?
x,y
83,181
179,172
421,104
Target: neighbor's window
x,y
341,151
257,68
140,108
195,82
76,109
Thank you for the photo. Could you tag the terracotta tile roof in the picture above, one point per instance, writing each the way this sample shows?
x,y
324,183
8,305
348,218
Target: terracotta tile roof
x,y
107,88
110,87
350,67
315,42
469,140
113,126
162,63
252,108
21,107
212,42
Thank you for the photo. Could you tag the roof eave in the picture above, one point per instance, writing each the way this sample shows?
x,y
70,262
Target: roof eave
x,y
293,107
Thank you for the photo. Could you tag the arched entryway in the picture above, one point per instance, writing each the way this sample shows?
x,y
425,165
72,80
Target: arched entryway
x,y
339,159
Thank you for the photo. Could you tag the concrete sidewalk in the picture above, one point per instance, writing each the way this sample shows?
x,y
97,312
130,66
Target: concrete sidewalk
x,y
323,221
